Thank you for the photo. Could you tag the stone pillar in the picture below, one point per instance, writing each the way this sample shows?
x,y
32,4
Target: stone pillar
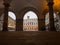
x,y
19,24
5,23
51,16
44,27
39,26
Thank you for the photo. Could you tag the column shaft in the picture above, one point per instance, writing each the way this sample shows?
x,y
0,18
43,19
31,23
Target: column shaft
x,y
19,25
51,16
5,23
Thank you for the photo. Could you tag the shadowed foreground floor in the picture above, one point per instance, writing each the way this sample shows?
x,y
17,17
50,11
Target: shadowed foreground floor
x,y
29,38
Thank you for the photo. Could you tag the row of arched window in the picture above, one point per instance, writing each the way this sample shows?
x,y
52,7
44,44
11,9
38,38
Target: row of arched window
x,y
33,15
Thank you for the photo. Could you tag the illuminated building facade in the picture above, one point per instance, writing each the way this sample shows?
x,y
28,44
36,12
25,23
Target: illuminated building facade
x,y
30,24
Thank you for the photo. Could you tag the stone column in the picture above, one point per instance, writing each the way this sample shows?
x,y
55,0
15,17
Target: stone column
x,y
44,27
19,24
5,23
39,26
51,16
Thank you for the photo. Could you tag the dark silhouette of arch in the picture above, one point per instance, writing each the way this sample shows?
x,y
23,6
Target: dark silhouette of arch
x,y
23,11
26,9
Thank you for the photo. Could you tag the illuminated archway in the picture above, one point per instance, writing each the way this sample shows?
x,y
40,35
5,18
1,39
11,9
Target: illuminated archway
x,y
30,21
11,21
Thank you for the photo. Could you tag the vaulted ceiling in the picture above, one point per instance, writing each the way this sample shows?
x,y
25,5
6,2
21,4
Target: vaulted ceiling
x,y
17,5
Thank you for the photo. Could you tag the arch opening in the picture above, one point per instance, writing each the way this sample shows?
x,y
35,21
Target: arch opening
x,y
11,21
30,21
56,21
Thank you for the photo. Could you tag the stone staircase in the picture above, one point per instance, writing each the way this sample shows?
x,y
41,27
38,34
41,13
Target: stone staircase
x,y
30,38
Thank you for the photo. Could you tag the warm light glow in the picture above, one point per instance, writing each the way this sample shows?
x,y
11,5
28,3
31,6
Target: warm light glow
x,y
45,4
56,3
57,12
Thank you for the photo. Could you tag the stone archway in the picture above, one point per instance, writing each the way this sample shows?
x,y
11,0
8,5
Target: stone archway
x,y
22,12
30,21
55,12
47,21
2,18
11,21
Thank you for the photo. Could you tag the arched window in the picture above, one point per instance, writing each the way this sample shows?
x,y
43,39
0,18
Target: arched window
x,y
56,21
29,17
11,21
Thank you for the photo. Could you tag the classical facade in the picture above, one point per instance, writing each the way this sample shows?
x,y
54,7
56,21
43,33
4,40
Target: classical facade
x,y
30,24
